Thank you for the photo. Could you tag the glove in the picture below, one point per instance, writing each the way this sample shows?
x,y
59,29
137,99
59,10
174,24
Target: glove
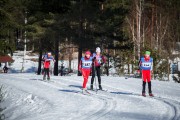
x,y
94,58
102,63
80,70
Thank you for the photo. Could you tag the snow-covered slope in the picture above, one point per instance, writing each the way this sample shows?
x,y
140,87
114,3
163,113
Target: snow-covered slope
x,y
29,98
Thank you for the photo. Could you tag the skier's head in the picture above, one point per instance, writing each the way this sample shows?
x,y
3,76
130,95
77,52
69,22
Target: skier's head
x,y
147,54
98,50
49,54
88,54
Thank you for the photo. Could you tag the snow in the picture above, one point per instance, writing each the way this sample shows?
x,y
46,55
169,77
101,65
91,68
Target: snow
x,y
28,97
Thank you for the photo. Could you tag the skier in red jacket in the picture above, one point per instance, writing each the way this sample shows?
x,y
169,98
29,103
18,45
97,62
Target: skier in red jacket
x,y
85,66
47,60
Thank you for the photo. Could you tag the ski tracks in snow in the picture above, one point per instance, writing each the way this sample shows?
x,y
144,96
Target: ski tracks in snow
x,y
173,112
107,99
175,107
109,103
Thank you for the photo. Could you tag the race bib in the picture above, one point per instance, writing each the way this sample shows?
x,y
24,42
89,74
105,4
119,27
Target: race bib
x,y
146,64
87,64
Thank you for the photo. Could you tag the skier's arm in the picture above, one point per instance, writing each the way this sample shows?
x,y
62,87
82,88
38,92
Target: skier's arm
x,y
103,60
53,59
43,58
152,66
80,66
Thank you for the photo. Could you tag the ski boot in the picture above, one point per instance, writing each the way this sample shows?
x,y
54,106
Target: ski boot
x,y
48,78
91,87
150,91
85,91
151,95
100,87
44,78
144,94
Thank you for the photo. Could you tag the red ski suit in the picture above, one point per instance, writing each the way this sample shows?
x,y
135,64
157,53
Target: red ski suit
x,y
85,68
46,64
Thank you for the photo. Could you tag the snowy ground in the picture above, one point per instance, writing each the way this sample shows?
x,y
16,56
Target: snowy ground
x,y
29,98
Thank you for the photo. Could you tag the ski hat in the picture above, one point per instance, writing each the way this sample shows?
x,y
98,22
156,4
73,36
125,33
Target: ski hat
x,y
98,49
147,53
49,53
88,53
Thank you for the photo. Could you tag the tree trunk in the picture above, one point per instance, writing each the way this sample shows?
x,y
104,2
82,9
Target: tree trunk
x,y
40,57
56,72
152,23
138,20
70,57
79,58
108,63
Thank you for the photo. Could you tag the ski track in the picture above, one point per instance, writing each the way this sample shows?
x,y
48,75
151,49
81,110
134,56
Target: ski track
x,y
109,102
173,104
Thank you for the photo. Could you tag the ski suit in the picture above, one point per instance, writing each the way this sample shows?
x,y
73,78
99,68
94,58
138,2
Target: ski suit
x,y
146,65
85,66
47,59
98,60
5,68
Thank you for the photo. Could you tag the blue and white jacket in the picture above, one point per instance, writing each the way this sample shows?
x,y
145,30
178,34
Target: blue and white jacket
x,y
85,63
146,64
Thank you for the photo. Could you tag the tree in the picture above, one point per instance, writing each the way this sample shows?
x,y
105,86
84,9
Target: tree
x,y
43,15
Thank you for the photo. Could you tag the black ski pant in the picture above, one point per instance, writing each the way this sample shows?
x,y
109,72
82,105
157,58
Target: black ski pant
x,y
98,73
46,72
144,87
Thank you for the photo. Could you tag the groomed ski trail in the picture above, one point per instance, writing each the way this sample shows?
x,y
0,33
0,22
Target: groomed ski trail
x,y
104,103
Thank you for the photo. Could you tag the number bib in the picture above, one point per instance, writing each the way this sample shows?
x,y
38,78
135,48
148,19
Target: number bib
x,y
146,64
86,64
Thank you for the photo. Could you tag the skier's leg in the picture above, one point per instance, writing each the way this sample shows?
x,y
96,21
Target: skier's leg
x,y
149,86
92,79
149,82
99,77
144,82
144,87
48,74
44,76
84,73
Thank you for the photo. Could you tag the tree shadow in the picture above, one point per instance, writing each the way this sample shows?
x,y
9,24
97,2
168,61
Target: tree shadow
x,y
30,70
69,91
122,93
130,115
76,86
36,79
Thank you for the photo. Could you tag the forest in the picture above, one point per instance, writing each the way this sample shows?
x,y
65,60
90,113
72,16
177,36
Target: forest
x,y
123,29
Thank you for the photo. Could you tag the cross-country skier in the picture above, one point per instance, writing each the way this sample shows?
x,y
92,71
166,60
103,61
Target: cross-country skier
x,y
47,59
5,68
98,61
146,65
85,66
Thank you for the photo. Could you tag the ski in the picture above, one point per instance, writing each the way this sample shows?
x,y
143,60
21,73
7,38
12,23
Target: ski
x,y
85,92
147,96
104,90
